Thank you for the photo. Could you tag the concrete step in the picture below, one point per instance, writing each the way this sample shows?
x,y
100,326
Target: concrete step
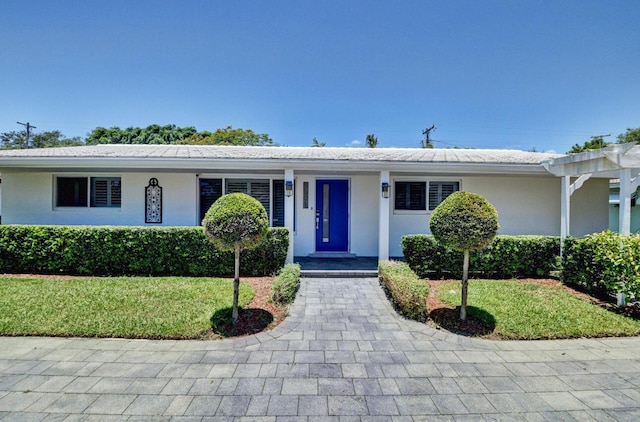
x,y
339,273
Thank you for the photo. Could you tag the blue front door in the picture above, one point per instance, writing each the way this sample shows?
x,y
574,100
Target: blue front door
x,y
332,215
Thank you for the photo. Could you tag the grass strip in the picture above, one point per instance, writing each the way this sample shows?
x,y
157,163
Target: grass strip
x,y
129,307
520,310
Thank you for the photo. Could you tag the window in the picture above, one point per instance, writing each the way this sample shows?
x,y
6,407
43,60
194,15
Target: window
x,y
71,192
270,193
410,196
106,192
439,191
259,189
96,192
210,191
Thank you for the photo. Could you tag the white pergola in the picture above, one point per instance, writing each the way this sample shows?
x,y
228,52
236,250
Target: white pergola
x,y
619,161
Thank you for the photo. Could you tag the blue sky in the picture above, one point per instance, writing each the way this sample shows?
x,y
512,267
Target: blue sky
x,y
488,74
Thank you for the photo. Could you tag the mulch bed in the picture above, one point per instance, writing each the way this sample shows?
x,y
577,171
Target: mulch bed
x,y
259,315
444,316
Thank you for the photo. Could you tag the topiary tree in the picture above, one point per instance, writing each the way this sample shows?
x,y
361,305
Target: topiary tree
x,y
236,222
464,222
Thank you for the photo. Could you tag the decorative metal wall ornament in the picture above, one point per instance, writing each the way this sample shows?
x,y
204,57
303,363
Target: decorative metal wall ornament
x,y
153,202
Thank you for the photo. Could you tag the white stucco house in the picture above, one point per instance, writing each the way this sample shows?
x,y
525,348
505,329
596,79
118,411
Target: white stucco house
x,y
356,201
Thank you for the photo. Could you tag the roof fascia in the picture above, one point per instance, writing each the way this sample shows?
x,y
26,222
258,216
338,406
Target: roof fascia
x,y
262,164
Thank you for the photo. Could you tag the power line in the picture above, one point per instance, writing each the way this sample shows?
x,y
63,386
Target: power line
x,y
29,127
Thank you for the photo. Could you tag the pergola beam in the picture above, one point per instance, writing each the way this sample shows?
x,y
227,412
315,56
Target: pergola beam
x,y
618,160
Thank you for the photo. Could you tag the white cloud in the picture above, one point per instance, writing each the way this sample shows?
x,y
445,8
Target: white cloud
x,y
354,143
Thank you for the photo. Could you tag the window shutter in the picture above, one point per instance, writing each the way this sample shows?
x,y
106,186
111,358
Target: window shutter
x,y
116,192
100,193
278,204
417,196
439,191
258,189
410,196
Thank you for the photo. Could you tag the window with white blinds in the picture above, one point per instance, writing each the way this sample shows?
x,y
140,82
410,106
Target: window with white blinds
x,y
257,188
439,191
422,196
106,192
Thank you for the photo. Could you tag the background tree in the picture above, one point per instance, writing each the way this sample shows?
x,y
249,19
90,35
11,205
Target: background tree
x,y
631,135
596,142
229,136
464,222
317,144
372,140
236,222
152,134
49,139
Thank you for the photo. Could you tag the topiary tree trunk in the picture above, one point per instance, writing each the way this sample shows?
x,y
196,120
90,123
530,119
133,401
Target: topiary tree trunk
x,y
236,285
464,285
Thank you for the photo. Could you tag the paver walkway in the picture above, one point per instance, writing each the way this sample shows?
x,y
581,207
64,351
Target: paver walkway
x,y
343,354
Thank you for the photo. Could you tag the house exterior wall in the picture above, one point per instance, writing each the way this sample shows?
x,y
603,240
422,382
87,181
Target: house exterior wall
x,y
614,212
38,206
526,205
590,208
614,218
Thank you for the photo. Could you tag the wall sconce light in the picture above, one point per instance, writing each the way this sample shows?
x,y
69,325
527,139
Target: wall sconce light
x,y
385,190
288,188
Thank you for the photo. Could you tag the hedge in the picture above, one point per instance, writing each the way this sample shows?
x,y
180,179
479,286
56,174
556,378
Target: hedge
x,y
117,251
285,286
408,293
506,257
603,263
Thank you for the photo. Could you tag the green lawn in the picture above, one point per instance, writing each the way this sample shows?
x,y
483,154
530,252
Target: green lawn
x,y
522,310
131,307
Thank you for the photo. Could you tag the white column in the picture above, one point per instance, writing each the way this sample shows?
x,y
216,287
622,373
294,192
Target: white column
x,y
383,218
289,206
565,209
565,206
625,202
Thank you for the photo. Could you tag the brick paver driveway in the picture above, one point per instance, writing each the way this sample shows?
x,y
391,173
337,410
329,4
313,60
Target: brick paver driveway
x,y
342,354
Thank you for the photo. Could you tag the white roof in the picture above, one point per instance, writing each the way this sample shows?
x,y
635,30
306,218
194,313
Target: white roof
x,y
203,157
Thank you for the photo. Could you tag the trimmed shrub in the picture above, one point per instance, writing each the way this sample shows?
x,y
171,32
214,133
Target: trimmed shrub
x,y
286,284
408,293
464,221
236,221
505,257
603,263
118,251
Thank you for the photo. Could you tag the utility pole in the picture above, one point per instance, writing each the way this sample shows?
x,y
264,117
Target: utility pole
x,y
426,142
29,127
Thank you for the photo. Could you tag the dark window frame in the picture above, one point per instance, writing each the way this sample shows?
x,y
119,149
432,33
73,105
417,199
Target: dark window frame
x,y
410,195
80,192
